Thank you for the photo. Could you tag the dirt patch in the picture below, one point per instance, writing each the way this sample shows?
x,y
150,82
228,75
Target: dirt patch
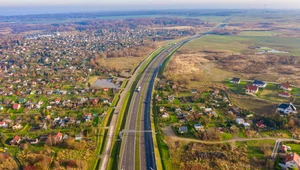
x,y
196,68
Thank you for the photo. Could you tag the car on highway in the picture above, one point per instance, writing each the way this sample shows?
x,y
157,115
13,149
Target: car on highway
x,y
138,89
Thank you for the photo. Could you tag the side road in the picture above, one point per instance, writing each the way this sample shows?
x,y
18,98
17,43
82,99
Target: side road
x,y
168,131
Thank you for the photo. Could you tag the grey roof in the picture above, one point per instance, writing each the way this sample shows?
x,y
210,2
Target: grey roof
x,y
287,105
235,79
259,82
183,129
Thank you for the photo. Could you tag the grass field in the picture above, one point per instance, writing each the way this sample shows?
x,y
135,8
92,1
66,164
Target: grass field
x,y
253,147
241,43
219,43
277,133
237,88
270,93
255,105
294,147
258,33
226,136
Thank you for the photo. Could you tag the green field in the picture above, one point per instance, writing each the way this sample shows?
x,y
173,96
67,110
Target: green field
x,y
294,147
242,43
237,88
253,147
252,104
258,33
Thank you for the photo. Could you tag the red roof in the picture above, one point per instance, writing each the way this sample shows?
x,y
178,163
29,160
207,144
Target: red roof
x,y
16,138
260,124
284,94
2,123
285,85
16,106
292,157
252,88
59,135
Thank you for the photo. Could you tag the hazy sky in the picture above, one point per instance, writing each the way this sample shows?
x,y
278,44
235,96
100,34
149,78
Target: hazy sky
x,y
153,3
15,7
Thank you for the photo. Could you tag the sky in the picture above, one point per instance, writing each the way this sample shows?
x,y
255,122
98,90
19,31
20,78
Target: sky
x,y
11,7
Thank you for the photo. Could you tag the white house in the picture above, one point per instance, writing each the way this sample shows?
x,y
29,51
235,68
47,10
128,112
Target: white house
x,y
165,115
235,80
240,121
198,127
246,125
17,126
286,108
3,125
292,160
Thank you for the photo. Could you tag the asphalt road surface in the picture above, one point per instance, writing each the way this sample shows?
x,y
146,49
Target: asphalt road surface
x,y
147,158
140,104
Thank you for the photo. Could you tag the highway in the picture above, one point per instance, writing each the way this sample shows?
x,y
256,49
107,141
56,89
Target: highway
x,y
140,104
139,113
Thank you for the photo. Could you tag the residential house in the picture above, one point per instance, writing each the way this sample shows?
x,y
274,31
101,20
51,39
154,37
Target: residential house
x,y
78,137
63,92
16,106
16,140
240,121
284,94
194,91
216,92
3,124
65,137
177,110
183,129
198,127
251,89
165,115
284,149
34,141
235,80
95,101
208,110
285,86
17,126
260,125
171,98
286,108
88,117
58,136
106,101
49,92
246,125
292,160
259,83
57,101
22,100
161,109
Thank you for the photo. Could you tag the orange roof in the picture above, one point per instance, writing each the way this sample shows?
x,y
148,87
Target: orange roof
x,y
293,157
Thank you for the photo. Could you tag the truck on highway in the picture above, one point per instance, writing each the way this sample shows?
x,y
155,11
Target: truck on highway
x,y
138,89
